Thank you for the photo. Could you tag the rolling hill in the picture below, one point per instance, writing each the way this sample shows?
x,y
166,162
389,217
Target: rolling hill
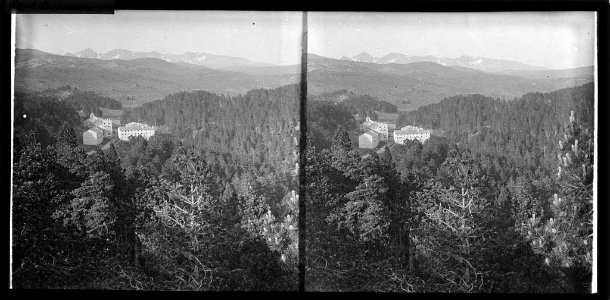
x,y
409,86
584,73
412,85
142,79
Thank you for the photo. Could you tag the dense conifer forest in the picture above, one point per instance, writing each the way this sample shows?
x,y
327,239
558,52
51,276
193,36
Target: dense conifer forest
x,y
525,129
483,208
85,102
42,115
499,200
363,105
212,209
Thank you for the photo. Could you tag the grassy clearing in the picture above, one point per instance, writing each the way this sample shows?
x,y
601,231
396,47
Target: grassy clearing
x,y
112,113
386,117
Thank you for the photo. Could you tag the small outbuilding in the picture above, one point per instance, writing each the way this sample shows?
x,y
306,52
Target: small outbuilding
x,y
93,136
368,140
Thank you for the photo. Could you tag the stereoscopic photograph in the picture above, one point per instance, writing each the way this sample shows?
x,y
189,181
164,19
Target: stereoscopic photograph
x,y
398,152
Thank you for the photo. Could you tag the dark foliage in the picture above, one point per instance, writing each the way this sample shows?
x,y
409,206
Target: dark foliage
x,y
42,115
526,129
468,212
161,214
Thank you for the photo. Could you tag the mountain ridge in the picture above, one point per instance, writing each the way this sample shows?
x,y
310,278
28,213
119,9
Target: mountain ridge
x,y
410,86
474,62
142,79
199,58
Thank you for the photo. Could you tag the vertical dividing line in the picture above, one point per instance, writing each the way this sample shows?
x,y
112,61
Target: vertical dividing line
x,y
595,156
13,23
302,156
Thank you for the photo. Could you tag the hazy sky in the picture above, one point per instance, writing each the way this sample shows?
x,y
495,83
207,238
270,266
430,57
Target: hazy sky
x,y
271,37
546,39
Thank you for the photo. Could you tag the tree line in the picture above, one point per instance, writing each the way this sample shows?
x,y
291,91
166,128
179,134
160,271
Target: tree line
x,y
526,128
85,102
363,105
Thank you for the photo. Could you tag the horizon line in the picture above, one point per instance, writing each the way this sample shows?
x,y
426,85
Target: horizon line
x,y
157,51
463,55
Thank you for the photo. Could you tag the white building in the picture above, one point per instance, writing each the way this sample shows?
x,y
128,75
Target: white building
x,y
93,136
104,124
411,133
368,140
135,129
380,128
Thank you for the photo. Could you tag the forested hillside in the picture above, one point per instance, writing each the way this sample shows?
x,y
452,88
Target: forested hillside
x,y
132,81
89,102
43,115
85,102
328,111
450,215
323,118
363,105
417,84
526,129
255,134
169,213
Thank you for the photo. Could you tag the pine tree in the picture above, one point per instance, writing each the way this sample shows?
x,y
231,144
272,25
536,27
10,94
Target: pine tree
x,y
454,226
341,140
69,155
38,191
91,210
386,158
344,159
66,135
566,237
34,189
365,214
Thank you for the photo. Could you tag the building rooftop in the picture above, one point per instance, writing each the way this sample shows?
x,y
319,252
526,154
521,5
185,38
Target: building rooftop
x,y
93,118
377,125
371,133
411,130
100,122
96,130
135,126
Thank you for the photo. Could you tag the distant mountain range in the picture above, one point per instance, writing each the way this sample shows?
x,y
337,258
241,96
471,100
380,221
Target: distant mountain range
x,y
473,62
407,85
415,84
141,79
197,58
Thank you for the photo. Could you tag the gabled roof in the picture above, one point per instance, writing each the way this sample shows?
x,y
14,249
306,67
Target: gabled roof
x,y
370,133
96,130
95,120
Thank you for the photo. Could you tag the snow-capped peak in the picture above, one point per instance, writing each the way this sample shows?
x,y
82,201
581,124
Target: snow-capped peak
x,y
201,58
